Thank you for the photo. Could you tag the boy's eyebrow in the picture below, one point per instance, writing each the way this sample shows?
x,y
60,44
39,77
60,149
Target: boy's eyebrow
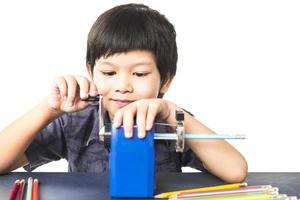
x,y
106,63
133,65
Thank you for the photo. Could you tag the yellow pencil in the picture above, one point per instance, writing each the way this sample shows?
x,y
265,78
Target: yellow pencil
x,y
203,189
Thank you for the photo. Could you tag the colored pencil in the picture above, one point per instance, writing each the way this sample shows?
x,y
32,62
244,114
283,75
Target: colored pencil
x,y
243,190
29,189
14,190
35,192
21,190
203,189
243,197
251,195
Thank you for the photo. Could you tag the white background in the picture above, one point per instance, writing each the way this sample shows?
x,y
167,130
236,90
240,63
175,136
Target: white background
x,y
238,68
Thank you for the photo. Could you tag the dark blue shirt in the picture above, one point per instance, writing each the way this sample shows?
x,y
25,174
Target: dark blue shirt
x,y
75,137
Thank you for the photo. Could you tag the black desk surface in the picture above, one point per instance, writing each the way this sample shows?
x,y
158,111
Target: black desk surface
x,y
93,186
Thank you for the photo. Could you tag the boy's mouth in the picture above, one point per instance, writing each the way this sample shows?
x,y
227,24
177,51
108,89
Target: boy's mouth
x,y
122,102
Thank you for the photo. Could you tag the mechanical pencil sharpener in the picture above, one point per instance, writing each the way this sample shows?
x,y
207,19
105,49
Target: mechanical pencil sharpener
x,y
132,161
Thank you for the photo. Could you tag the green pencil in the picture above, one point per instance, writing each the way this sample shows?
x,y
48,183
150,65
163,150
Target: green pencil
x,y
29,189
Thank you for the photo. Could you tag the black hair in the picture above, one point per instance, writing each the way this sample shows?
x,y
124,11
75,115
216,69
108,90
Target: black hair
x,y
132,27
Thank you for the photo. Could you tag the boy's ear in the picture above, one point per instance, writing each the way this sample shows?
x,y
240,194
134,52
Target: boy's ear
x,y
90,71
165,86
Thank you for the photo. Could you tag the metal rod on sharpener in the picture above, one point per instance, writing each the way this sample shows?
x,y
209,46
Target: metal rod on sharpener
x,y
102,127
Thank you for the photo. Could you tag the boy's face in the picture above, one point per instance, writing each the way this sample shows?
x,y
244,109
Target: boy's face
x,y
126,77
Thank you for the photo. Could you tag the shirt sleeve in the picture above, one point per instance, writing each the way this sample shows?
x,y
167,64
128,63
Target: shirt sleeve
x,y
49,145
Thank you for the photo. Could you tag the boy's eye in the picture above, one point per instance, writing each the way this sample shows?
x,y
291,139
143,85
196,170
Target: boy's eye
x,y
140,74
108,73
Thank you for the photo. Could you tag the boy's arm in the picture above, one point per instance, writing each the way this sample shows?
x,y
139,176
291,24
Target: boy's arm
x,y
15,138
218,156
66,95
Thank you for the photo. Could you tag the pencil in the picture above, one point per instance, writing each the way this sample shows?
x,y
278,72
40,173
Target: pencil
x,y
253,196
227,195
21,190
29,189
203,189
173,136
243,190
14,190
35,192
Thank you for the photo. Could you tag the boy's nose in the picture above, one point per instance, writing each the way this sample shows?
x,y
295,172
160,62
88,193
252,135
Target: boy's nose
x,y
124,85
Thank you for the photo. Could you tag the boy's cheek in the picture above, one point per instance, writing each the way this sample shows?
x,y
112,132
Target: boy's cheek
x,y
102,85
147,92
148,88
102,90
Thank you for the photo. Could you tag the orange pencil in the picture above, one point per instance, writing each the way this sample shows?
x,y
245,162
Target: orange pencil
x,y
21,190
14,190
35,192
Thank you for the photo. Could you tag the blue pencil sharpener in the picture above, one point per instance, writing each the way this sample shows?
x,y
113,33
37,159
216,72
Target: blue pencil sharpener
x,y
131,164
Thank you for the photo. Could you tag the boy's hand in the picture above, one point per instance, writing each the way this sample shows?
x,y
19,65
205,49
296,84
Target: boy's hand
x,y
145,111
68,91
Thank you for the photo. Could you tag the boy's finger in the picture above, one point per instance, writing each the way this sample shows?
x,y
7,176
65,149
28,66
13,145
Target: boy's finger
x,y
151,114
128,122
61,84
93,89
118,118
141,120
84,86
72,88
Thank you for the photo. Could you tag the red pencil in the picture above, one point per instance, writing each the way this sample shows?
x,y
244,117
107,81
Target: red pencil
x,y
35,192
21,190
14,190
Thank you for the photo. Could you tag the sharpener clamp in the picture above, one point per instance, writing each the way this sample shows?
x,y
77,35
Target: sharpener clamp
x,y
180,131
105,133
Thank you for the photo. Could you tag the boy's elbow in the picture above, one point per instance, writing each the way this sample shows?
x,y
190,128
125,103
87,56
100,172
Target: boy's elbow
x,y
237,175
4,170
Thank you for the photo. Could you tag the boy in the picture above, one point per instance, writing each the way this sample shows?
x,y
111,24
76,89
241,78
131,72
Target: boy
x,y
131,61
